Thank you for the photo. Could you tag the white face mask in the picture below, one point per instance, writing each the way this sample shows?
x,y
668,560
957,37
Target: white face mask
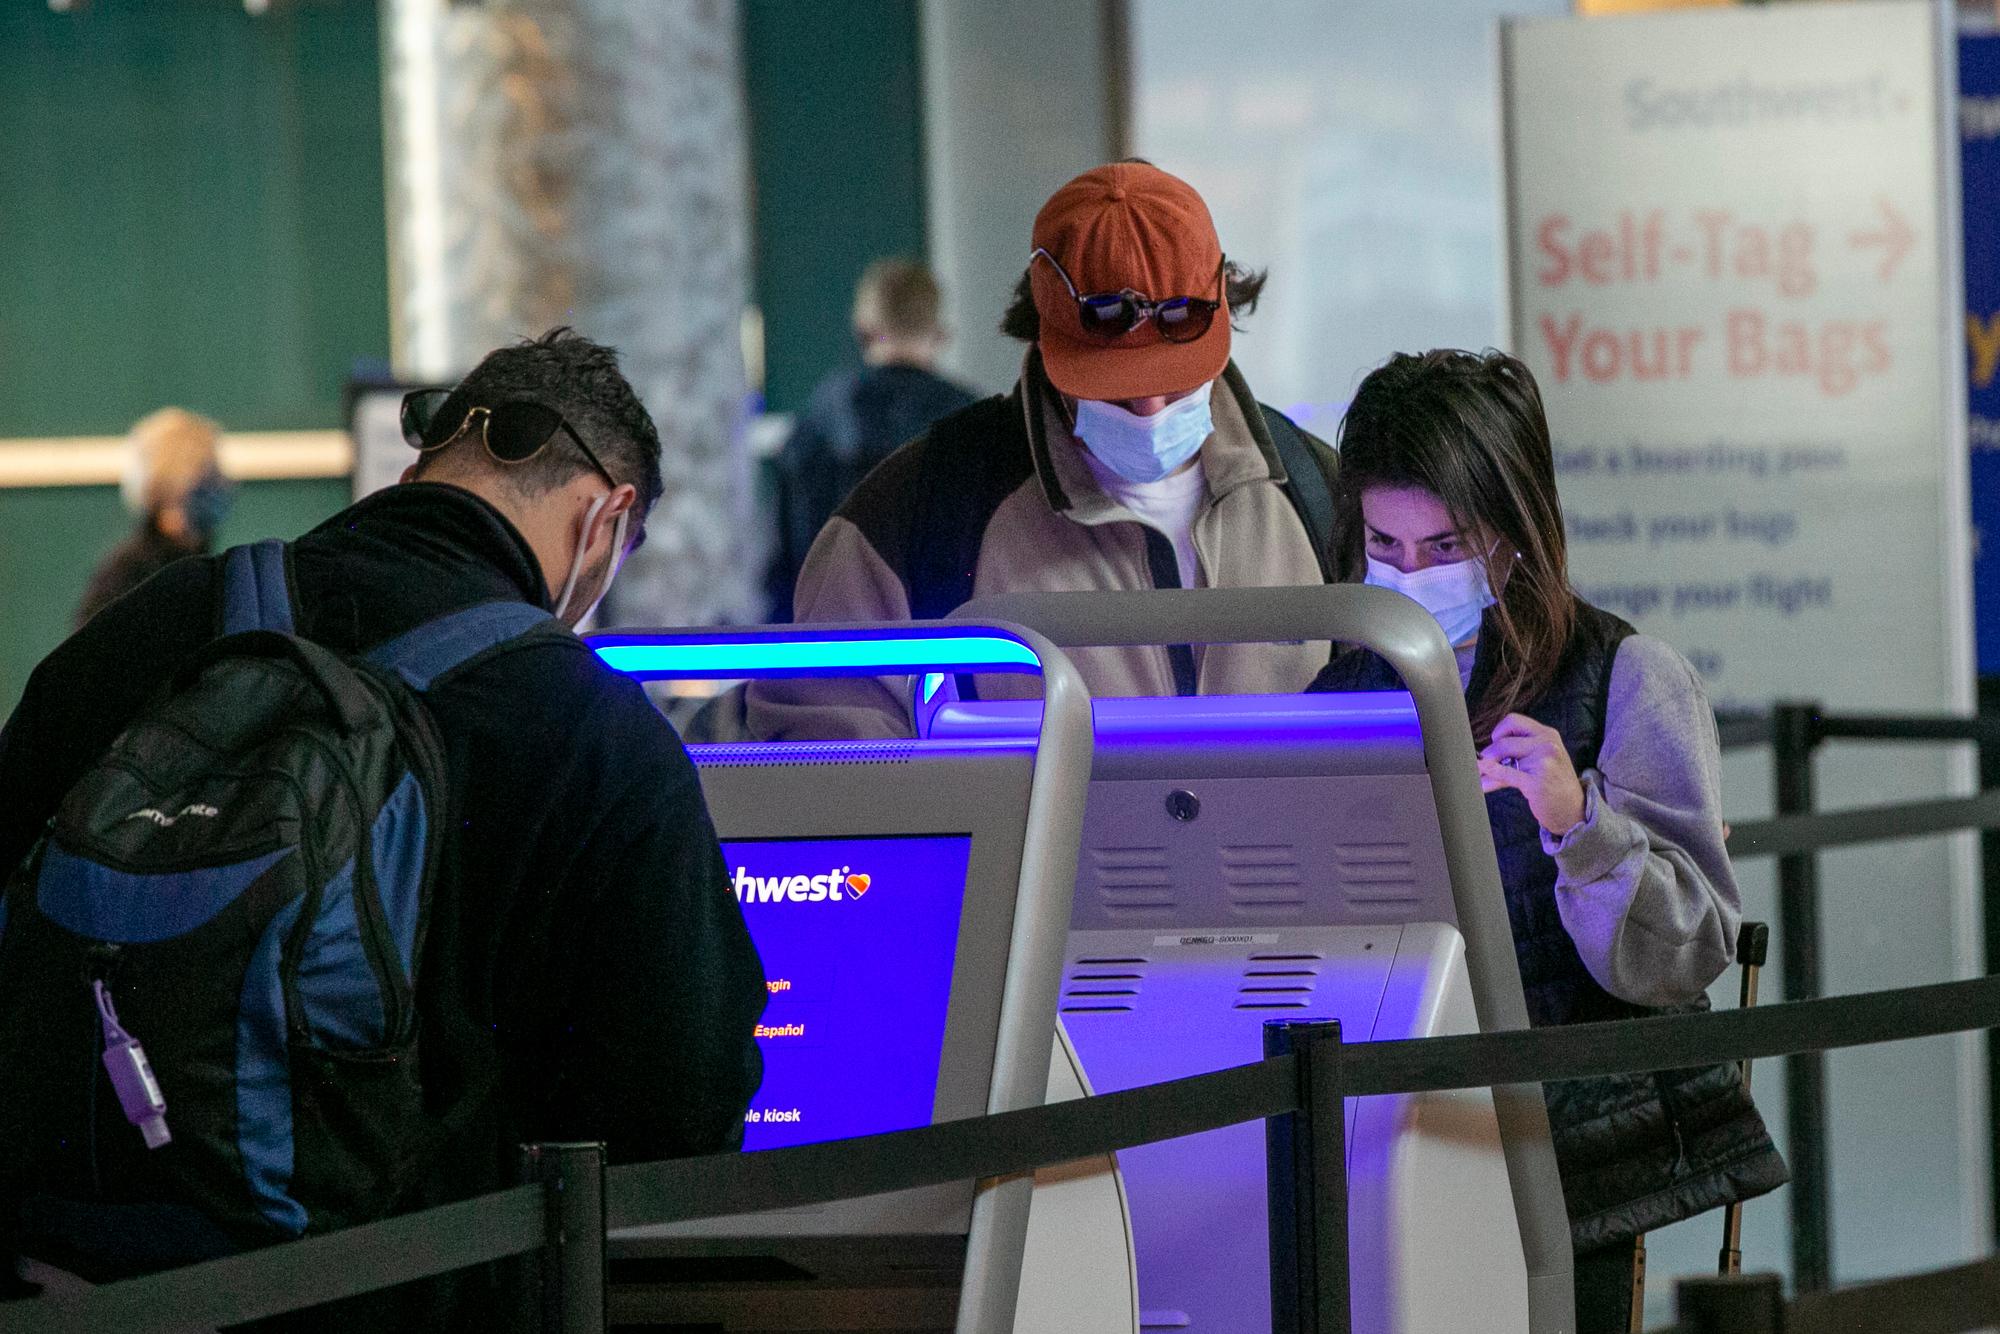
x,y
1146,449
1457,594
582,551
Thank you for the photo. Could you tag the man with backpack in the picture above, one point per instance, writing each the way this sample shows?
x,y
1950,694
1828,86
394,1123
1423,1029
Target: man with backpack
x,y
1129,455
338,870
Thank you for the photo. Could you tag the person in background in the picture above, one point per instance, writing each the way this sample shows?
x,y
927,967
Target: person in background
x,y
175,485
1603,779
1130,454
856,418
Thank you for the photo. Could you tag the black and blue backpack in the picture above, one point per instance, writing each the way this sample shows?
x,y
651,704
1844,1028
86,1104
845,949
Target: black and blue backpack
x,y
209,963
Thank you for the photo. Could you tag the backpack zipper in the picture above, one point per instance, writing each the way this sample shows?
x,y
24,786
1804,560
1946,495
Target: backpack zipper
x,y
385,960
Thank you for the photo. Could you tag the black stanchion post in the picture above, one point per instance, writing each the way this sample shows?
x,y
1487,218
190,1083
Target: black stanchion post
x,y
1737,1304
1989,873
1306,1154
571,1273
1753,947
1795,739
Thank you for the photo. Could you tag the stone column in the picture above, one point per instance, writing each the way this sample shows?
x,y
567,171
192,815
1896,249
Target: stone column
x,y
583,162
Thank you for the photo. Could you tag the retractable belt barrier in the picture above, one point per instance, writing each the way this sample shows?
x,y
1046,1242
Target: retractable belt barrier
x,y
1795,731
1789,834
516,1221
512,1222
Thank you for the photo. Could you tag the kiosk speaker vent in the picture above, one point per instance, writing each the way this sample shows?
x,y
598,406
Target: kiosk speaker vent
x,y
1376,872
1277,984
1133,881
1263,876
1103,985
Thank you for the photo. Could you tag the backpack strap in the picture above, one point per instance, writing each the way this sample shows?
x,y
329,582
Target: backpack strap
x,y
422,655
967,465
1307,484
257,588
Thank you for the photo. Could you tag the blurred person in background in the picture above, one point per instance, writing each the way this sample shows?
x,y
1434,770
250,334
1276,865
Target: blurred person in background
x,y
174,483
858,417
1130,454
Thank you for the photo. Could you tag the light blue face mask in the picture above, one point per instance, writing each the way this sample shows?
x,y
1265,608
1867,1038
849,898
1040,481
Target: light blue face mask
x,y
1457,594
1146,449
208,503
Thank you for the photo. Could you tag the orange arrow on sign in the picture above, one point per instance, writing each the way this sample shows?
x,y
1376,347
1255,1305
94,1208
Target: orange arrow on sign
x,y
1895,238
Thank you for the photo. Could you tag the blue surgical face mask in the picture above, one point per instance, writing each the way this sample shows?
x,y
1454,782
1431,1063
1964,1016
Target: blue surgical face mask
x,y
1146,449
208,503
1457,594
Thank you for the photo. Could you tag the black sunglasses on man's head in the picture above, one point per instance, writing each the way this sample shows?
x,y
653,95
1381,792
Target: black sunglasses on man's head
x,y
1106,316
513,432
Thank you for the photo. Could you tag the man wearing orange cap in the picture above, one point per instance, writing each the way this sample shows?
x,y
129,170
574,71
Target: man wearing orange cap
x,y
1129,455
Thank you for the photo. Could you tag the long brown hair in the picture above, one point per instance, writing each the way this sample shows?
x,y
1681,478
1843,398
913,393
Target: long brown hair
x,y
1469,429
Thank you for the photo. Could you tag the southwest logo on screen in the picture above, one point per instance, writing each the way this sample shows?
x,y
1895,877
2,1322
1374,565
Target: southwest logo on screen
x,y
833,886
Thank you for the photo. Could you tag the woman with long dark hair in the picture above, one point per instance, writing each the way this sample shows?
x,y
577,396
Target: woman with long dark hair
x,y
1602,772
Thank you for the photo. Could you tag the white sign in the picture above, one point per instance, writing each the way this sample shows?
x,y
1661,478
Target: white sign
x,y
380,453
1728,274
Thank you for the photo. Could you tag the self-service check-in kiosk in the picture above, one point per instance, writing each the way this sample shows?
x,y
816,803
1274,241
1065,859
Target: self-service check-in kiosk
x,y
1297,856
909,901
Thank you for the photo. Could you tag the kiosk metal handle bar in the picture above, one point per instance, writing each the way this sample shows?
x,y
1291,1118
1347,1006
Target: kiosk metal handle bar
x,y
1057,792
1409,639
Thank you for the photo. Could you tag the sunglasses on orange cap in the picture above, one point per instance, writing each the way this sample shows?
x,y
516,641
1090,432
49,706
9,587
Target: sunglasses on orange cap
x,y
1109,316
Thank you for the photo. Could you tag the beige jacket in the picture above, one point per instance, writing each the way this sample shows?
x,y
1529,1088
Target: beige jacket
x,y
1010,468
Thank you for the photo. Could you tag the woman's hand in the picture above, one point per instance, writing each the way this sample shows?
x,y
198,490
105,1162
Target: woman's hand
x,y
1532,759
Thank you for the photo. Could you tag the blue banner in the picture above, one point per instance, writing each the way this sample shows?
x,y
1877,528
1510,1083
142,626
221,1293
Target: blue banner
x,y
1979,129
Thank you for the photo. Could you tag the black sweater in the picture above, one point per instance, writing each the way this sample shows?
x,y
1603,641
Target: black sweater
x,y
583,934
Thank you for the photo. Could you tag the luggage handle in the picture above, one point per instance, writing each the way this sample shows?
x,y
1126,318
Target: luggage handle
x,y
329,675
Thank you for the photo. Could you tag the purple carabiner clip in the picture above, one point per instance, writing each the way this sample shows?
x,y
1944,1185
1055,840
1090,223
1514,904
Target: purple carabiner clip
x,y
132,1074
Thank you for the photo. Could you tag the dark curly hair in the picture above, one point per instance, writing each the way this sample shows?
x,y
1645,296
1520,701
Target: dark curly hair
x,y
580,379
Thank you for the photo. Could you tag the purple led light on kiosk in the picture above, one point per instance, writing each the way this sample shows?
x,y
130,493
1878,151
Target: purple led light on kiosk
x,y
846,654
1374,716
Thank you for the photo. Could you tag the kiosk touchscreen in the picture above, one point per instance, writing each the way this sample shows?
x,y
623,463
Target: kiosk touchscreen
x,y
908,900
851,1046
878,882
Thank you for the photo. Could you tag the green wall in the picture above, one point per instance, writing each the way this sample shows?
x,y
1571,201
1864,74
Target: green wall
x,y
192,209
837,156
55,535
191,212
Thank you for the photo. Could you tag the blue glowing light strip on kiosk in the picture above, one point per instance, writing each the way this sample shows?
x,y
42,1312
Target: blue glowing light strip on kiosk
x,y
688,657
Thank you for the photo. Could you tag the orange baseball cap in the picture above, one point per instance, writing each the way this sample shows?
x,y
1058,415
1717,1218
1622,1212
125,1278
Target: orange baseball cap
x,y
1128,225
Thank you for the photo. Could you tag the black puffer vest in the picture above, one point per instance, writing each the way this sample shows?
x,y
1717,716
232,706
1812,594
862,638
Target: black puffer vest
x,y
1636,1152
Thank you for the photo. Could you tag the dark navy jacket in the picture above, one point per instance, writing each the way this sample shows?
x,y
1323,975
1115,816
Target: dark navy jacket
x,y
585,947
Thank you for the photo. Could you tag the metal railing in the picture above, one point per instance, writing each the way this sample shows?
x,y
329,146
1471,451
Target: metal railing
x,y
1299,1090
1796,731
